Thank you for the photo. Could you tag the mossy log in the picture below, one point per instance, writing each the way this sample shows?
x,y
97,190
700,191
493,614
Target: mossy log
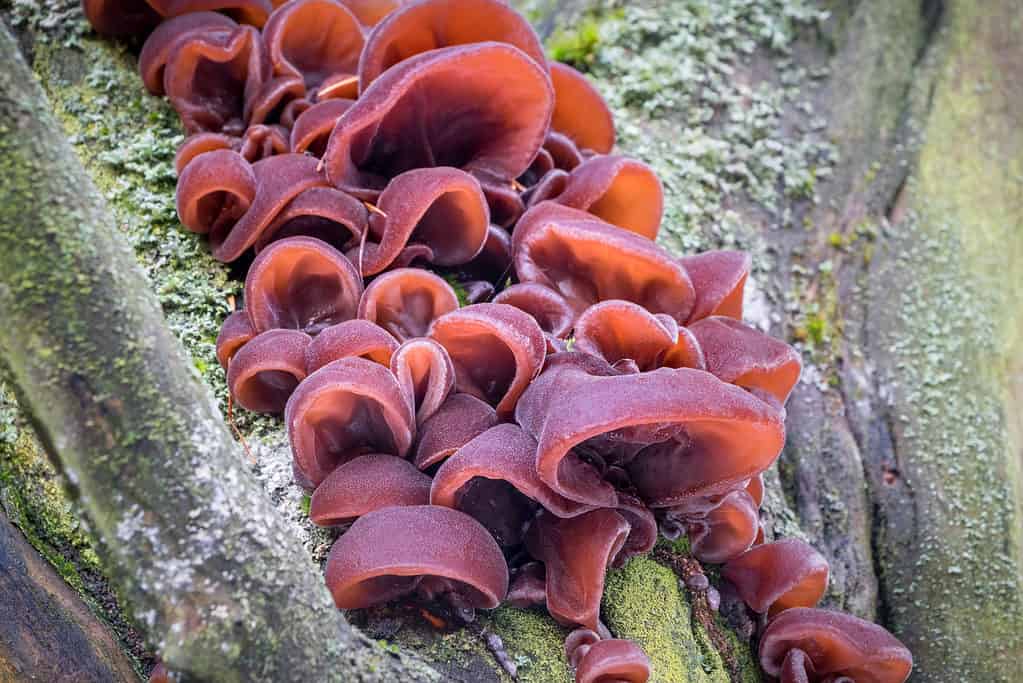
x,y
868,154
198,550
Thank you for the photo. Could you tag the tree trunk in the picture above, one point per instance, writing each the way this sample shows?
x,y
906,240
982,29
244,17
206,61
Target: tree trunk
x,y
869,159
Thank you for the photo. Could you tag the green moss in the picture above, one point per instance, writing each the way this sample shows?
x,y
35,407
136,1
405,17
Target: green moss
x,y
576,46
534,642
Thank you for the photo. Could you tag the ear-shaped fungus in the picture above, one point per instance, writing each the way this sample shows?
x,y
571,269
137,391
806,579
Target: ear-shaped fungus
x,y
254,12
426,375
406,301
496,349
347,408
352,338
724,531
618,190
459,420
387,554
120,17
576,552
322,212
234,333
367,483
442,209
739,354
587,260
613,661
314,40
265,372
620,331
504,455
548,308
371,12
313,126
803,645
579,110
301,283
444,108
720,279
778,576
678,433
431,24
222,195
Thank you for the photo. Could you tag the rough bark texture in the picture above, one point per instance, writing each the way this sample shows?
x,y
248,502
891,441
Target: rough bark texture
x,y
197,548
47,633
871,161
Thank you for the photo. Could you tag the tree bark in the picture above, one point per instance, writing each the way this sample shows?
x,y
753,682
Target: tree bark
x,y
195,545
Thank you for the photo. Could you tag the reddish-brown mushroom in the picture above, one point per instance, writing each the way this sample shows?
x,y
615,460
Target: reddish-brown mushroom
x,y
720,279
254,12
387,553
678,433
613,661
345,409
234,333
444,108
579,110
371,12
459,420
223,195
265,372
441,209
425,25
120,17
318,41
426,375
628,337
739,354
352,338
587,260
367,483
778,576
406,301
725,530
313,126
497,349
807,645
325,213
301,283
618,190
576,553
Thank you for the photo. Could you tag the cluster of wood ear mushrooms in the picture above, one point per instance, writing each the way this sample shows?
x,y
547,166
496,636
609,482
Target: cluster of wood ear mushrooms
x,y
588,392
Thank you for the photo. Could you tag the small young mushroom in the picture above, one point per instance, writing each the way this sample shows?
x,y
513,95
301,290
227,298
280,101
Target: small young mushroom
x,y
267,369
618,190
579,110
809,645
778,576
726,530
406,301
613,661
496,349
358,338
720,279
388,552
234,334
367,483
459,420
426,375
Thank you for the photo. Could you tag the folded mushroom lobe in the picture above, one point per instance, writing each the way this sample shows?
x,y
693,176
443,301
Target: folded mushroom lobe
x,y
836,644
777,576
496,349
613,660
215,190
432,24
443,108
587,260
168,37
494,262
580,111
505,454
563,151
120,17
314,40
234,333
620,330
301,283
742,355
426,375
313,126
618,190
325,213
267,369
642,528
406,301
367,483
347,408
727,530
678,432
548,308
371,12
576,552
253,12
720,279
352,338
441,208
459,420
385,553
